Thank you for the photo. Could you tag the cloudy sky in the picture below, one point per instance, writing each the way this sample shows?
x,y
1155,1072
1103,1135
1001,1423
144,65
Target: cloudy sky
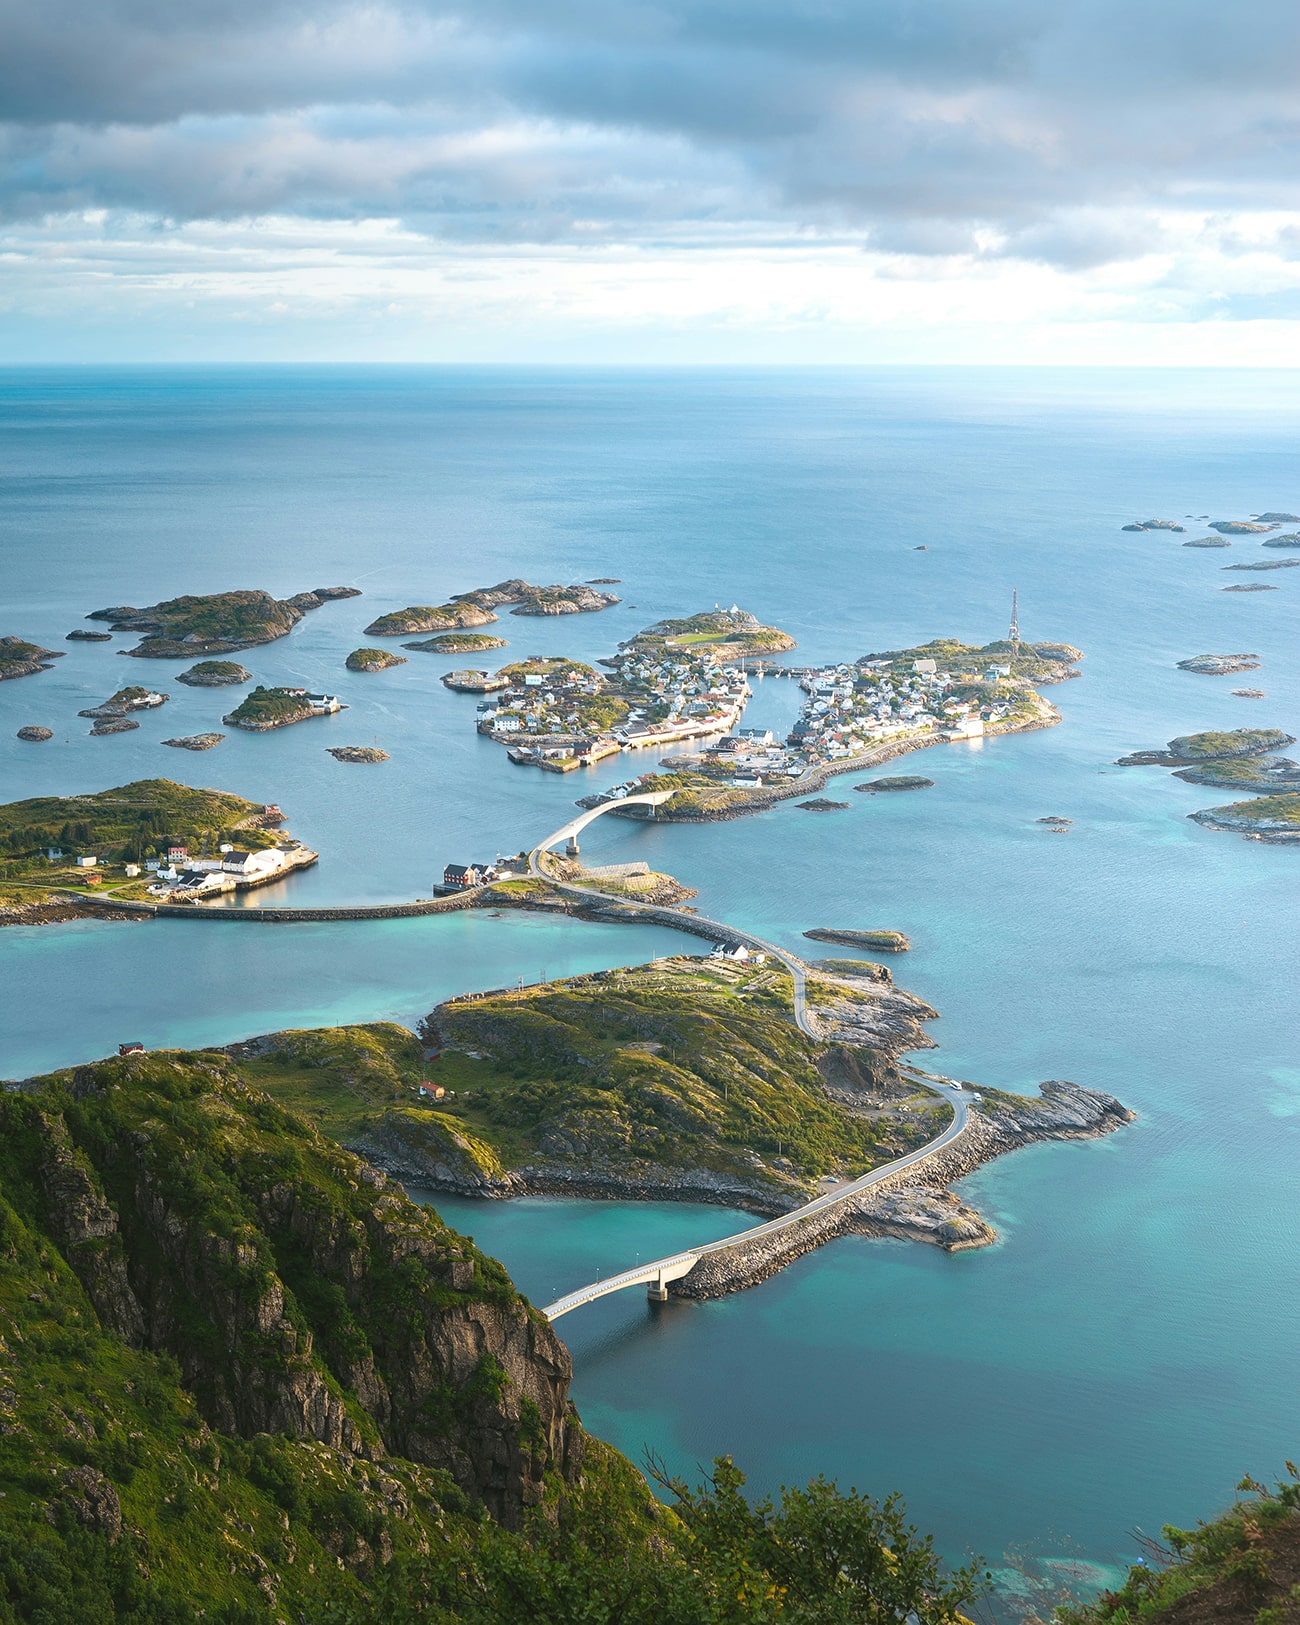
x,y
678,180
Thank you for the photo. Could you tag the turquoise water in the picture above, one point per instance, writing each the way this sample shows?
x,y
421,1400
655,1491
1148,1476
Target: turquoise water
x,y
1125,1353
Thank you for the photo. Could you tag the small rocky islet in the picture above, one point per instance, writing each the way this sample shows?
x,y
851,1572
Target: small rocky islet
x,y
1219,665
81,634
821,804
373,660
890,942
195,741
899,781
1208,541
1249,586
357,753
458,643
214,674
34,734
1267,564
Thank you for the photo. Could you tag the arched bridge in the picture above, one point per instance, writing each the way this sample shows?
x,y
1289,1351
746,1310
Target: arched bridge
x,y
569,832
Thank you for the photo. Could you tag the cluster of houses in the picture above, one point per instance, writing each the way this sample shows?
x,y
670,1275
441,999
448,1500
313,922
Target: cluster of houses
x,y
849,709
180,877
461,876
670,694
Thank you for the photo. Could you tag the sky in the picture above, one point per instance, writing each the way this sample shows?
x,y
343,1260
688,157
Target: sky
x,y
687,181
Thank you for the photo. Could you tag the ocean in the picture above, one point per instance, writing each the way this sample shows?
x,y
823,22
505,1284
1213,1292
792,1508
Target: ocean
x,y
1125,1352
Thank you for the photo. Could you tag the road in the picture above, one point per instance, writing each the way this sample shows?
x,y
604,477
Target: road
x,y
661,1271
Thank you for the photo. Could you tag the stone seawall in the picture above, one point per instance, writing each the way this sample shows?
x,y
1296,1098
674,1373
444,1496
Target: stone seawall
x,y
914,1204
282,916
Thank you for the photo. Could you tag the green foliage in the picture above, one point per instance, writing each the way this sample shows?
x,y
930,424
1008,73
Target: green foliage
x,y
1236,742
1232,1555
1284,809
814,1557
124,824
270,705
680,1063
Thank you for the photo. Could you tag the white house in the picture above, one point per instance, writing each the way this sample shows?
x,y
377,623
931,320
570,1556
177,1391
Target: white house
x,y
250,864
87,862
926,668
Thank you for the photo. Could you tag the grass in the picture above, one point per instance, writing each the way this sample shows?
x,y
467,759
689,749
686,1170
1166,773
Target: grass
x,y
122,825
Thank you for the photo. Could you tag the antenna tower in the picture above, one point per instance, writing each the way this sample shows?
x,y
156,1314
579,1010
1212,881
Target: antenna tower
x,y
1014,633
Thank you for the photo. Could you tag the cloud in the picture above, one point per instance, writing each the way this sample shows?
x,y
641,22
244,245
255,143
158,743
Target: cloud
x,y
941,126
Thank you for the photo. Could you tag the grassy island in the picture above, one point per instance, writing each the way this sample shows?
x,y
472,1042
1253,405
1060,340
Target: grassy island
x,y
458,643
1237,742
214,674
717,627
373,660
429,618
211,623
267,708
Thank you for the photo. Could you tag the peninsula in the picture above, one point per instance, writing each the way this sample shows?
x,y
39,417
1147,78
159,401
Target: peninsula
x,y
684,1079
58,848
214,623
18,658
1274,819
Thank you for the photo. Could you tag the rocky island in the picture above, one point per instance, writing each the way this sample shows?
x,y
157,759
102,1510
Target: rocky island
x,y
1267,564
478,608
18,658
133,698
1209,541
213,623
1291,540
1154,524
1219,665
195,741
357,753
81,634
901,781
214,674
1211,745
728,633
1275,819
458,643
373,660
428,618
35,734
890,942
267,708
1241,527
821,804
1249,586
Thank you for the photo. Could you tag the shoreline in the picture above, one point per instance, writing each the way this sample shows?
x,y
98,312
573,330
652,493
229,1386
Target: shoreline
x,y
818,777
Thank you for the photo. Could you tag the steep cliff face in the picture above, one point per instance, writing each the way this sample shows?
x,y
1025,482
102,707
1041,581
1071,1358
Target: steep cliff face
x,y
297,1294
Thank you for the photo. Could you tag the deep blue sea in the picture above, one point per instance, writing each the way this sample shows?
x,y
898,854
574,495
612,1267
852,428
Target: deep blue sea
x,y
1128,1350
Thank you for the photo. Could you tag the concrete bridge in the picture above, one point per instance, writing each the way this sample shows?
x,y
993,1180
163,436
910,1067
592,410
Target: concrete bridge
x,y
656,1275
568,833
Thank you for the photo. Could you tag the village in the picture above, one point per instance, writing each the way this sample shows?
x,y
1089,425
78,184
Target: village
x,y
561,715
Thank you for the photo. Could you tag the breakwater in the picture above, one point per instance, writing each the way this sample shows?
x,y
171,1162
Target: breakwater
x,y
282,916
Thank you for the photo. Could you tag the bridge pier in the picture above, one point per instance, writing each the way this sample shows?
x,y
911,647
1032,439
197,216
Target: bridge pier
x,y
656,1291
571,849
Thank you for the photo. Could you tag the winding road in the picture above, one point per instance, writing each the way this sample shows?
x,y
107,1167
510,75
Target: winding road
x,y
660,1271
